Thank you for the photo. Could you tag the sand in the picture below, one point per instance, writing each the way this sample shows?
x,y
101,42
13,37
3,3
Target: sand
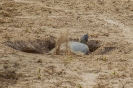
x,y
26,26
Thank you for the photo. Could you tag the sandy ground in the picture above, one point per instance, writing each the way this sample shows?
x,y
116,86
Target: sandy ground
x,y
108,22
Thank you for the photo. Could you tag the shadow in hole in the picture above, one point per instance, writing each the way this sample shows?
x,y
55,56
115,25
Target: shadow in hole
x,y
37,46
93,45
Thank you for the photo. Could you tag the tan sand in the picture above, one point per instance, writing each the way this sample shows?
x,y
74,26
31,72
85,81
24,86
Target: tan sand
x,y
108,22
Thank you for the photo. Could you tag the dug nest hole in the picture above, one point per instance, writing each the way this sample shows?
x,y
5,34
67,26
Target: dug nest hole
x,y
44,46
38,46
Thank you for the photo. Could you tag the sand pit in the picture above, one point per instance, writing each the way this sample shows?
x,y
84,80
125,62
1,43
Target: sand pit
x,y
31,28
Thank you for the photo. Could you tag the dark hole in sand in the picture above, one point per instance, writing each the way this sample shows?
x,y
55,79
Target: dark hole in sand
x,y
39,46
42,46
93,45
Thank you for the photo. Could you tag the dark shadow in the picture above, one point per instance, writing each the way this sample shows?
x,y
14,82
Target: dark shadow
x,y
37,46
93,45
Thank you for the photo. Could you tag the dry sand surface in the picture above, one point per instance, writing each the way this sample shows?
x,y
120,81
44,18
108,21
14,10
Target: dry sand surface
x,y
29,29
